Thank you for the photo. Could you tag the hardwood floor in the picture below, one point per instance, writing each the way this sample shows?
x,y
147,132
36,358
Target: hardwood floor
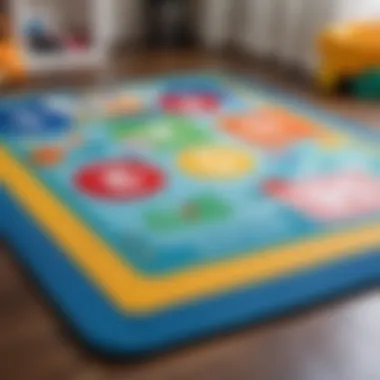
x,y
337,341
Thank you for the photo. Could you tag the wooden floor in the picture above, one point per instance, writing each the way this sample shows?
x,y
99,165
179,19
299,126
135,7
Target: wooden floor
x,y
337,341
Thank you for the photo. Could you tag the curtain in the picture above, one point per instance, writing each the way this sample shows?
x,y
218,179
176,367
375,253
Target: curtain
x,y
285,30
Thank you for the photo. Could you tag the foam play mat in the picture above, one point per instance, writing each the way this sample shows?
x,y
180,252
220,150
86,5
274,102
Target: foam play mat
x,y
168,209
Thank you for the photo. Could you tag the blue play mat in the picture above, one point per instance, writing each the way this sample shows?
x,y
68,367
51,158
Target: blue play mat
x,y
161,211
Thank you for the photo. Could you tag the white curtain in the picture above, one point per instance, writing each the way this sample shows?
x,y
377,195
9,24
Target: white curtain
x,y
284,29
128,19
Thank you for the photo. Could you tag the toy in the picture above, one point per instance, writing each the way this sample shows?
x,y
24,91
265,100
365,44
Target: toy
x,y
43,28
51,41
12,67
349,51
77,40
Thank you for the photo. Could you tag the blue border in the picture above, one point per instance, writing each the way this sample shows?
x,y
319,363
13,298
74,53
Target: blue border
x,y
109,331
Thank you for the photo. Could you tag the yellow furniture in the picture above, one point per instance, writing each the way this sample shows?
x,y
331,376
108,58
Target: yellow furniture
x,y
348,50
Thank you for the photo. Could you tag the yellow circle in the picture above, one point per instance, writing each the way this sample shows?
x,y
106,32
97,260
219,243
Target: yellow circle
x,y
332,141
124,105
215,162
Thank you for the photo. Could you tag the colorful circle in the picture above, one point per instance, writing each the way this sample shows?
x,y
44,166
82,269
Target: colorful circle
x,y
32,118
120,180
189,103
215,162
156,131
331,141
124,105
273,186
48,155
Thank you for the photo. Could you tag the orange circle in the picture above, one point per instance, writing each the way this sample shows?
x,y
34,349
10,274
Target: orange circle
x,y
47,156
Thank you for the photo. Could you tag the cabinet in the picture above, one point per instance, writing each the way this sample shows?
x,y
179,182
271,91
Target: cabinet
x,y
62,34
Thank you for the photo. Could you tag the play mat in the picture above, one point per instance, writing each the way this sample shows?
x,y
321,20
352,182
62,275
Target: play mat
x,y
167,209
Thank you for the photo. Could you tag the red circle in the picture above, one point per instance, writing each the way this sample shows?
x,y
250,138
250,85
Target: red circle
x,y
189,103
119,179
274,186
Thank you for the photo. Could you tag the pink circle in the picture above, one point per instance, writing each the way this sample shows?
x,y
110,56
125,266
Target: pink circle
x,y
119,180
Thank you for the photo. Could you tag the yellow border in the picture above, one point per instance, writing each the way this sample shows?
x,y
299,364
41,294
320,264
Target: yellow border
x,y
134,292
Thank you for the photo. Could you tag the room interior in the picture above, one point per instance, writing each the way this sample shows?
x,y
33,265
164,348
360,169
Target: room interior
x,y
274,41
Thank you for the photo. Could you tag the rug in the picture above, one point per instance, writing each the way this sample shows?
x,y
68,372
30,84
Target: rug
x,y
168,209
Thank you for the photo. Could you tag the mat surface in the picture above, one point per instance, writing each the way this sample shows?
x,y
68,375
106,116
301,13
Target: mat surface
x,y
165,210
